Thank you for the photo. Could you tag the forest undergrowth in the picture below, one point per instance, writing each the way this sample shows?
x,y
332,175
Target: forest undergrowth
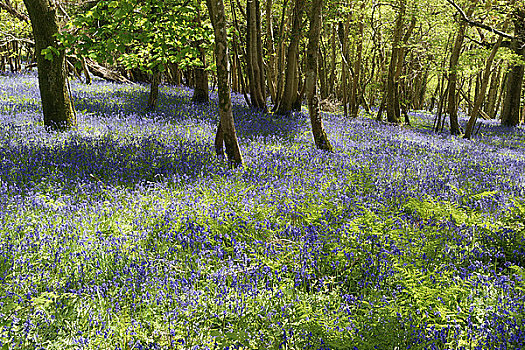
x,y
128,233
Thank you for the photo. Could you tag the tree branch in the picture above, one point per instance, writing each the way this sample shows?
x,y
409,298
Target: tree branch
x,y
487,45
479,24
8,37
21,16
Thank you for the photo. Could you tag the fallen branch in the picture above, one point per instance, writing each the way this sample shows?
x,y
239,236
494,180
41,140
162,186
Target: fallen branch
x,y
106,73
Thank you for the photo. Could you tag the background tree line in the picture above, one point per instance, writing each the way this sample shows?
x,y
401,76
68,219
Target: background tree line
x,y
383,57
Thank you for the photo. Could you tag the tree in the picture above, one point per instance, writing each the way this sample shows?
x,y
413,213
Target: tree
x,y
510,115
56,103
201,89
291,85
453,76
513,84
226,130
146,36
320,137
254,55
395,68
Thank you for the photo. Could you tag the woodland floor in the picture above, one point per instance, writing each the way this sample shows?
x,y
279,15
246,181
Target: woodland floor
x,y
128,233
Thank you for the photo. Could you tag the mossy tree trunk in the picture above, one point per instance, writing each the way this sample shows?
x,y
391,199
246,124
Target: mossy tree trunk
x,y
226,128
54,94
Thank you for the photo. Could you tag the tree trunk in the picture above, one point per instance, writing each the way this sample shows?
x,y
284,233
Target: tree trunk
x,y
482,90
200,91
333,57
354,92
493,92
270,47
453,76
510,115
291,83
342,33
56,103
392,88
254,59
320,137
226,127
154,90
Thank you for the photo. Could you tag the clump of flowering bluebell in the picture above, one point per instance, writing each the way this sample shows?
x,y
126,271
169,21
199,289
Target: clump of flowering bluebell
x,y
128,233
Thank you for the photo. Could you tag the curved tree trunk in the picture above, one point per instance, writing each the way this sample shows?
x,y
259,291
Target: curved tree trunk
x,y
320,137
56,103
476,109
226,127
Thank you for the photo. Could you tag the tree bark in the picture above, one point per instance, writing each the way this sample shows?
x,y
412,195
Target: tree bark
x,y
291,83
319,134
493,92
393,114
200,91
226,126
270,48
56,103
154,90
453,76
482,90
510,115
254,59
354,92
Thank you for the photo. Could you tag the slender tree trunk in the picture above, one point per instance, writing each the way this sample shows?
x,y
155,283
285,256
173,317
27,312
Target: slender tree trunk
x,y
392,89
85,70
510,115
280,56
254,59
226,125
453,76
319,134
291,83
56,103
333,57
270,48
354,93
493,92
346,74
482,90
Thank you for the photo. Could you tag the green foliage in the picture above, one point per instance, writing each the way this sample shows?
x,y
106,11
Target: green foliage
x,y
144,35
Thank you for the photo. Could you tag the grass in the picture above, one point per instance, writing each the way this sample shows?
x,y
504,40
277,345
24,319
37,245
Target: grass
x,y
128,233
